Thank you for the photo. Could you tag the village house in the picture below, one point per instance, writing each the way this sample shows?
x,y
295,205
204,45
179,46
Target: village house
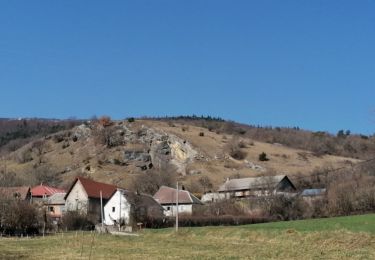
x,y
42,192
56,206
84,195
124,205
167,197
257,186
21,193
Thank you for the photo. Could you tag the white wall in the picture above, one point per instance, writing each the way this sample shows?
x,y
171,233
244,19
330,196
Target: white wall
x,y
170,210
212,197
77,198
112,209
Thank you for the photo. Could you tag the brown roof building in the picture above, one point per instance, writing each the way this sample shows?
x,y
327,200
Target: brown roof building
x,y
84,195
167,197
19,193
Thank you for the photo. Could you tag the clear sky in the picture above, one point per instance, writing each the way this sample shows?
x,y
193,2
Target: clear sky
x,y
282,63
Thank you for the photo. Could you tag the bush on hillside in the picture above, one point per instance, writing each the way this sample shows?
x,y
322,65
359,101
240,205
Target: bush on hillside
x,y
263,157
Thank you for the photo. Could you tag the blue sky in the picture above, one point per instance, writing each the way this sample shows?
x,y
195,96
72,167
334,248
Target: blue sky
x,y
283,63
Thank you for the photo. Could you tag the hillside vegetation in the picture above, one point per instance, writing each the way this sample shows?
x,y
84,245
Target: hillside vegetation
x,y
15,133
335,238
200,155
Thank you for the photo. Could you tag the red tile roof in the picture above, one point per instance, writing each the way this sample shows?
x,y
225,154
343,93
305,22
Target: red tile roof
x,y
93,188
41,190
167,195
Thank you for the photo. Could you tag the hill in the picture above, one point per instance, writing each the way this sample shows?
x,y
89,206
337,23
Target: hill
x,y
204,153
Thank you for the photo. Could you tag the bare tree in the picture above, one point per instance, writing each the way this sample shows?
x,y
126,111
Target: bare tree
x,y
150,182
206,183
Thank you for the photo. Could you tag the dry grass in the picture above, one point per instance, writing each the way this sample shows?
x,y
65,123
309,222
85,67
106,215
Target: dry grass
x,y
214,164
283,160
310,239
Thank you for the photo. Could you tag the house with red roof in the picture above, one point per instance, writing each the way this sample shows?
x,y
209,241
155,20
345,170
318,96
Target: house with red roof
x,y
41,193
167,197
84,195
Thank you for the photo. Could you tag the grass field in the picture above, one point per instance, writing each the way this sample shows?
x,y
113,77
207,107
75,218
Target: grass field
x,y
335,238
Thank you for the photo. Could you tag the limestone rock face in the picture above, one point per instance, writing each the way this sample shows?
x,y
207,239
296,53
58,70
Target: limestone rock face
x,y
133,155
182,153
148,147
82,131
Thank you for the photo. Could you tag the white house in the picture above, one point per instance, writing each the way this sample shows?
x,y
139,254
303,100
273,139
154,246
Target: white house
x,y
167,197
125,206
117,208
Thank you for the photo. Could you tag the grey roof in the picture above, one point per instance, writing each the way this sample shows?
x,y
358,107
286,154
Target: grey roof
x,y
252,183
141,200
57,198
313,192
167,195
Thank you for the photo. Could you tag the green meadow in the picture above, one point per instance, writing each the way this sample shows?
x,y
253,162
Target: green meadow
x,y
331,238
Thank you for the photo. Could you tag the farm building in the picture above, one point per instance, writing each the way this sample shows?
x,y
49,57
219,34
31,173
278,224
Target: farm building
x,y
123,205
167,197
84,195
257,186
15,193
42,192
56,205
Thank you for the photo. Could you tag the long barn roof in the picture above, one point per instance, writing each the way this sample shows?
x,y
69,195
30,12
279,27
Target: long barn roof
x,y
252,183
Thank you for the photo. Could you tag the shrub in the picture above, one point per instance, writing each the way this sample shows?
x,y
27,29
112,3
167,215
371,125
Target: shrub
x,y
105,121
57,138
234,150
286,208
20,218
227,220
24,155
263,157
131,119
75,220
242,144
238,154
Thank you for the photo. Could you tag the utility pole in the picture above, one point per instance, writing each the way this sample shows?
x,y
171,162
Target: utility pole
x,y
101,208
177,209
119,219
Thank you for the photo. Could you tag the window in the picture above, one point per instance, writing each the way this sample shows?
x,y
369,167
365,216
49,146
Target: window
x,y
51,209
113,209
168,208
